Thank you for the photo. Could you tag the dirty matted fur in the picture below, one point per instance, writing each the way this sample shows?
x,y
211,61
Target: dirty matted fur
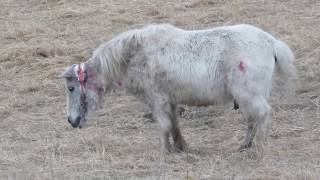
x,y
165,66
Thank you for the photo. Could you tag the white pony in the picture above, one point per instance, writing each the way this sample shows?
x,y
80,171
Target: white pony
x,y
165,66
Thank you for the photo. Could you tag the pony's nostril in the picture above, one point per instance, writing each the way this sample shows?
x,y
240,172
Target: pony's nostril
x,y
69,120
77,120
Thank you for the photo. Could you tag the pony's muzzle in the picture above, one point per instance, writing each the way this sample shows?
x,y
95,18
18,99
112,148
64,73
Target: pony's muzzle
x,y
75,123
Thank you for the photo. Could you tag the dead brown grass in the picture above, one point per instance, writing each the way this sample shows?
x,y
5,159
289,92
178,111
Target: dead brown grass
x,y
39,38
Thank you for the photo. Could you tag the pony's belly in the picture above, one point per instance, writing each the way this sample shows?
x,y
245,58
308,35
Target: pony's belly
x,y
201,95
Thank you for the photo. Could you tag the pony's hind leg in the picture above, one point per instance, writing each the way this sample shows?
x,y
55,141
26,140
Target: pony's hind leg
x,y
251,132
257,111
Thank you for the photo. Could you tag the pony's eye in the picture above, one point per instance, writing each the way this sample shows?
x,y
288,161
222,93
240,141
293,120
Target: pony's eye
x,y
71,89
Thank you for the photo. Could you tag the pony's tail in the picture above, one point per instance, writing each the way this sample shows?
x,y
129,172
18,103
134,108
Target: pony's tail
x,y
284,61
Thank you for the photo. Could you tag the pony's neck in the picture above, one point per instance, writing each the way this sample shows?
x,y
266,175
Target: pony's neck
x,y
110,60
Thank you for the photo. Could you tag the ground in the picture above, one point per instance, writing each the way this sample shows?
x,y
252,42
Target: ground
x,y
39,38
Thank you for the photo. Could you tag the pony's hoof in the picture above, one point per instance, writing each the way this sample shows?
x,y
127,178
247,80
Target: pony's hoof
x,y
181,110
166,149
180,147
245,146
149,116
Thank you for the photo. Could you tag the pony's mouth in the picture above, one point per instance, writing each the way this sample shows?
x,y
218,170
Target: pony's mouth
x,y
75,125
81,124
78,123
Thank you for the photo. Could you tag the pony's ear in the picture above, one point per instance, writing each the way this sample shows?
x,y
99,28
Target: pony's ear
x,y
68,73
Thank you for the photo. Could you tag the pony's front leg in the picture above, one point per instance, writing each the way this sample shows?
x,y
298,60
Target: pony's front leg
x,y
164,112
179,143
164,125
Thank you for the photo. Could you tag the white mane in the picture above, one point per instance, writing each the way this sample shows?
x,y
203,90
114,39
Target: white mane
x,y
114,54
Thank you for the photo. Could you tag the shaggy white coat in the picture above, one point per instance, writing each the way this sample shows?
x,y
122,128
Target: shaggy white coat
x,y
166,66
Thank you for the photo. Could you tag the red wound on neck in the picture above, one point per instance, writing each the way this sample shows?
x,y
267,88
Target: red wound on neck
x,y
241,66
81,73
119,83
81,78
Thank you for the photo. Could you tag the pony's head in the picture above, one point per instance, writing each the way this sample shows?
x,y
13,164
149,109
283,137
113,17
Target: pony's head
x,y
86,83
84,92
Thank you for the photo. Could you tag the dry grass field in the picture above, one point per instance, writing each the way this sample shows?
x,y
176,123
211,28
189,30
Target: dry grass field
x,y
39,38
